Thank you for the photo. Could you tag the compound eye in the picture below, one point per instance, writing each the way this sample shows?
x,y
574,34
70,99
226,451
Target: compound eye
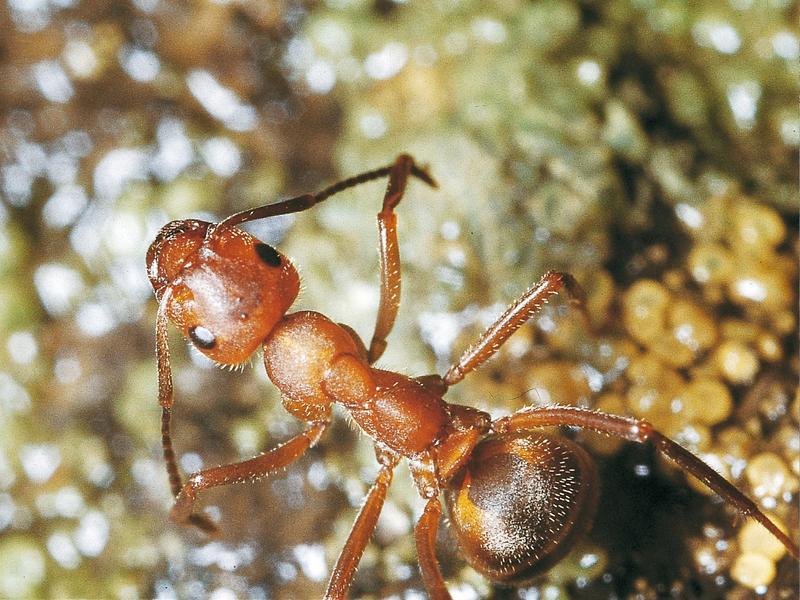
x,y
268,254
202,337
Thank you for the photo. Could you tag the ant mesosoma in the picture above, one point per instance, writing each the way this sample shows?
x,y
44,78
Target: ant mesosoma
x,y
517,499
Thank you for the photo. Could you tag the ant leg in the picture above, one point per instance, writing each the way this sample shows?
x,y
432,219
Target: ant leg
x,y
399,172
252,469
306,201
247,470
642,432
425,536
350,556
389,255
515,315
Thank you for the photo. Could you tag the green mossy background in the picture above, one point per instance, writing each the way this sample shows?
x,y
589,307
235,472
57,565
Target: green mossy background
x,y
621,141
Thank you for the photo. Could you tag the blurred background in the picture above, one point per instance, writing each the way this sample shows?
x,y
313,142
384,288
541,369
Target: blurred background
x,y
649,147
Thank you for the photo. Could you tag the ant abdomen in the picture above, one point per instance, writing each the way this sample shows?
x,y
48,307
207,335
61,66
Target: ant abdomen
x,y
520,503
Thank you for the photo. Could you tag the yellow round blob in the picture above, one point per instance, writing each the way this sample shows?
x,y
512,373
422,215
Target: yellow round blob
x,y
710,263
673,351
654,404
784,322
648,370
756,225
735,442
674,279
693,436
557,382
769,347
760,286
692,326
644,310
768,475
753,570
707,400
737,362
754,538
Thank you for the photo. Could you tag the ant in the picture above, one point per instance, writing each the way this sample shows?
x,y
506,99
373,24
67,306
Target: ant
x,y
517,499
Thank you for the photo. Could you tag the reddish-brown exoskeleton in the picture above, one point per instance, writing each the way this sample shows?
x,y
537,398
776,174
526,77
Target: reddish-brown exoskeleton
x,y
518,499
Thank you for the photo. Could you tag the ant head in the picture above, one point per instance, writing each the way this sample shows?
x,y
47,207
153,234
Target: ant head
x,y
227,290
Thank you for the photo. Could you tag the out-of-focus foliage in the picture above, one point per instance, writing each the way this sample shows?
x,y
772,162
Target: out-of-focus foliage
x,y
648,147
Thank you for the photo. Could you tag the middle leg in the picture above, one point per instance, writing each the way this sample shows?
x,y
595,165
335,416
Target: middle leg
x,y
248,470
522,309
367,519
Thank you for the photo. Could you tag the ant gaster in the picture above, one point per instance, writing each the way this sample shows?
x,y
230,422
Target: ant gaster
x,y
518,499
